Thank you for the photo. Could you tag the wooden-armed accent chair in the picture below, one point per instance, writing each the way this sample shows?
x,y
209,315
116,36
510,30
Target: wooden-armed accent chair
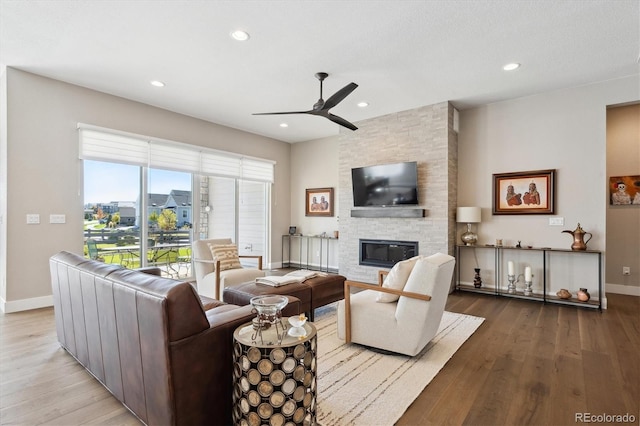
x,y
407,314
214,275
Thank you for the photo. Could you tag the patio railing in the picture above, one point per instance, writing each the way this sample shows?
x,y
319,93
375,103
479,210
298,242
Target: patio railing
x,y
169,250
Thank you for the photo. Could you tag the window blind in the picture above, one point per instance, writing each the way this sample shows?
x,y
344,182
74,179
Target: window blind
x,y
118,147
111,147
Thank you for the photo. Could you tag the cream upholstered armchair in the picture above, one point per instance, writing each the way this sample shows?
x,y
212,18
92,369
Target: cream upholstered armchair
x,y
402,314
213,275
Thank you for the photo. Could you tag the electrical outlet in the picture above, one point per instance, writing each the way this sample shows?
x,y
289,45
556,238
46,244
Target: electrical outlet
x,y
33,219
626,270
556,221
57,218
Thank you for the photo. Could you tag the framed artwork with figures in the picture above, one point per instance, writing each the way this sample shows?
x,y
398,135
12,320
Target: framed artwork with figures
x,y
319,202
531,192
624,190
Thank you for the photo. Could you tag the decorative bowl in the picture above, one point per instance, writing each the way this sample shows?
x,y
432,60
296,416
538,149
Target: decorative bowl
x,y
269,307
297,332
298,321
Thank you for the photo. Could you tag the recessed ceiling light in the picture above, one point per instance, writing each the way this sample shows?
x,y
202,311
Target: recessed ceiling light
x,y
511,67
157,83
284,125
240,35
363,104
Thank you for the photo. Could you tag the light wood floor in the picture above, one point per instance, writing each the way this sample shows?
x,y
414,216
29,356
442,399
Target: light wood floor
x,y
527,364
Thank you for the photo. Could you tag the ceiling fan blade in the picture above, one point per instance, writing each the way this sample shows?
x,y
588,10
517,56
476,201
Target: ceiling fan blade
x,y
337,97
282,113
341,121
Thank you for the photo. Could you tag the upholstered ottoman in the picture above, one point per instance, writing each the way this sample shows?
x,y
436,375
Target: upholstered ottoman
x,y
241,294
312,293
325,289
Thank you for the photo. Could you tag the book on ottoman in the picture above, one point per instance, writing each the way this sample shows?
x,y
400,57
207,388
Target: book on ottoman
x,y
292,277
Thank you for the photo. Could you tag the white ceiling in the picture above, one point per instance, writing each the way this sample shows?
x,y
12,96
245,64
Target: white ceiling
x,y
402,54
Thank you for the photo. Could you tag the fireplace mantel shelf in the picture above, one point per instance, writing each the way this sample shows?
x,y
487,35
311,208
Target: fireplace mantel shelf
x,y
388,212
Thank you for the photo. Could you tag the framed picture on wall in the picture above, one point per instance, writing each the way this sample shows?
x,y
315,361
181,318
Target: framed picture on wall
x,y
624,190
530,192
319,202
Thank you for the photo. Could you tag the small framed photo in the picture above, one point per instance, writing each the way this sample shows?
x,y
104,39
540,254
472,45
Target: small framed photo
x,y
530,192
624,190
319,202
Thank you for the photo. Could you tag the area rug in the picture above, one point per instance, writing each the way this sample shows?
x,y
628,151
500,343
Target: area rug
x,y
361,386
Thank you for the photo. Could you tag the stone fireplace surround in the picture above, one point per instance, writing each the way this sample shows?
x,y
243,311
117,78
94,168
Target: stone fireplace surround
x,y
425,135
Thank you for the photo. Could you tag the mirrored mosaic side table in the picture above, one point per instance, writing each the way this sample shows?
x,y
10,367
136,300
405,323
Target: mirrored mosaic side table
x,y
275,382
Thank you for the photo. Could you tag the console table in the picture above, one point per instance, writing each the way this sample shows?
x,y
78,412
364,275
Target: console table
x,y
275,382
553,269
308,240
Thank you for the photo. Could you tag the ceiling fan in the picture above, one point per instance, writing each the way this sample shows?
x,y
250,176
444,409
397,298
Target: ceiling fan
x,y
322,107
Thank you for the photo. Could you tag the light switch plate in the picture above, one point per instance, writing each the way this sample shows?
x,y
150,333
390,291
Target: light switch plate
x,y
556,221
33,219
57,218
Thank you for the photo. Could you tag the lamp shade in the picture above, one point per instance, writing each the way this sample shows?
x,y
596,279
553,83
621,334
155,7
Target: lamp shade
x,y
468,215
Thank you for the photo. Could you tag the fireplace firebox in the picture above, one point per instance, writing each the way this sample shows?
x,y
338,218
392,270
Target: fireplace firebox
x,y
386,253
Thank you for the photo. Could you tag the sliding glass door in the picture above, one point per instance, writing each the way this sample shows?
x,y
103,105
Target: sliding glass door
x,y
238,209
135,221
111,215
140,205
169,217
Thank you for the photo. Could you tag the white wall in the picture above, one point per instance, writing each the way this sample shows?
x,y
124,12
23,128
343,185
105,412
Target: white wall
x,y
44,175
563,130
623,222
314,164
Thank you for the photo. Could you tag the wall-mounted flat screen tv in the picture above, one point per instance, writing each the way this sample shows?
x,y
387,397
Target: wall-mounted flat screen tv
x,y
385,185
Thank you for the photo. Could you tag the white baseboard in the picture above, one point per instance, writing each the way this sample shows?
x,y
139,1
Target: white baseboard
x,y
274,265
25,304
628,290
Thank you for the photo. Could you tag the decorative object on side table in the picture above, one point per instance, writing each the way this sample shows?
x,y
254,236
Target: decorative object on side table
x,y
269,312
477,280
528,280
511,277
578,238
297,324
469,215
563,293
583,295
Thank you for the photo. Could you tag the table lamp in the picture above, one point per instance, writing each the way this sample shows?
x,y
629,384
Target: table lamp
x,y
469,215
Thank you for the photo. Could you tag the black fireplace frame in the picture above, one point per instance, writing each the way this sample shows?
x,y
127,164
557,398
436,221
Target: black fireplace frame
x,y
402,250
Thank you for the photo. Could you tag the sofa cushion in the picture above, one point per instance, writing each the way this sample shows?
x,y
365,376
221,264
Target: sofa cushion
x,y
227,254
396,279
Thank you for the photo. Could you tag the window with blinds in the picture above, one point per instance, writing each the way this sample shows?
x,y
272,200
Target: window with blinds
x,y
113,146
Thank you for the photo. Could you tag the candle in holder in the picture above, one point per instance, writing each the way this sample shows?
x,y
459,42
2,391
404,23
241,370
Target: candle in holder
x,y
510,269
527,273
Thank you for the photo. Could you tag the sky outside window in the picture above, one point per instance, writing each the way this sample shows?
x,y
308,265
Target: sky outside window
x,y
105,182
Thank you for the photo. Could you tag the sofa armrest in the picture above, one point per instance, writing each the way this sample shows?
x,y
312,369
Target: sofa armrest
x,y
347,300
217,319
202,368
151,270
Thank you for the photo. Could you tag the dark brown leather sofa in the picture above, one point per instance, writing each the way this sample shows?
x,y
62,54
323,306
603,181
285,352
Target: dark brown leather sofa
x,y
148,339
